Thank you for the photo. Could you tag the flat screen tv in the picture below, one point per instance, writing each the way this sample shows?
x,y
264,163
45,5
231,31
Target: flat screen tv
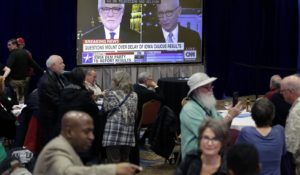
x,y
111,32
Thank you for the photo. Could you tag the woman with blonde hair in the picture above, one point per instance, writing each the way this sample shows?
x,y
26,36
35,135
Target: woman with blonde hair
x,y
118,135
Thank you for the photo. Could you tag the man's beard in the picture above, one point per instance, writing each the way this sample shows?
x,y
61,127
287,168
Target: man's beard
x,y
207,100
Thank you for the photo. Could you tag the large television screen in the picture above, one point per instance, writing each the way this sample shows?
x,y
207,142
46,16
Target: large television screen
x,y
139,31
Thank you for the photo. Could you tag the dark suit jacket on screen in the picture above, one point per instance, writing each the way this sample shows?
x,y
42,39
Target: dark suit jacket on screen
x,y
126,35
190,38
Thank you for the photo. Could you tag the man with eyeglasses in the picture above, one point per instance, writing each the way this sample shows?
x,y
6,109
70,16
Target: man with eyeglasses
x,y
201,104
111,17
169,30
146,89
290,89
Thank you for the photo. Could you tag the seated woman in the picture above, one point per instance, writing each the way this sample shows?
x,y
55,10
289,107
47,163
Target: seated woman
x,y
209,159
269,141
118,135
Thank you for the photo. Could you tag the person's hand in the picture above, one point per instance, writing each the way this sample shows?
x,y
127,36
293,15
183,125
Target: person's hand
x,y
234,111
104,92
153,84
127,169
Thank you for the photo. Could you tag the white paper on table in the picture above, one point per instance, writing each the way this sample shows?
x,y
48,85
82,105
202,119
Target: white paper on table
x,y
240,121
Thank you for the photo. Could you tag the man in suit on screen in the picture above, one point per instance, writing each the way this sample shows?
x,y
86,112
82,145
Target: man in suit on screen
x,y
111,17
169,30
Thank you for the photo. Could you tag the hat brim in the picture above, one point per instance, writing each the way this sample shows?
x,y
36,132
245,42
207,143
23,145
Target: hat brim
x,y
202,83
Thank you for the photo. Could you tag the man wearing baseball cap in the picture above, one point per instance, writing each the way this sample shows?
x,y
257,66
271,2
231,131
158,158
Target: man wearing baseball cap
x,y
201,105
21,42
30,71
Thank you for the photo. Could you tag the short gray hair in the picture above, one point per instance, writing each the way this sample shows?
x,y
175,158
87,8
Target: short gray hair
x,y
52,60
292,82
143,76
275,81
89,71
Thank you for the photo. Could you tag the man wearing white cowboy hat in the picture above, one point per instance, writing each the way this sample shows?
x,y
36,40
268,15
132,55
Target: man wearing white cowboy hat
x,y
201,105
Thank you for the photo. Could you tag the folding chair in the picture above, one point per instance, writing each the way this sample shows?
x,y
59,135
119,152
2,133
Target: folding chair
x,y
149,113
148,117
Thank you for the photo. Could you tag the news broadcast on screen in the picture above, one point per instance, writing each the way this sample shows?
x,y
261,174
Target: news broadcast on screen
x,y
113,32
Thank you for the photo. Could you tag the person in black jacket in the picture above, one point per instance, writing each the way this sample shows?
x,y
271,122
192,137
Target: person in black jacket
x,y
76,97
145,94
282,109
19,62
49,89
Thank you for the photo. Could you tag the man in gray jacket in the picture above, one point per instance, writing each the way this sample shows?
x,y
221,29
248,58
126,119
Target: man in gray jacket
x,y
60,156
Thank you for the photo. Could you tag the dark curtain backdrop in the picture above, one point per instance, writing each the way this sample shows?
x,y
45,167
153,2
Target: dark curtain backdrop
x,y
48,27
246,41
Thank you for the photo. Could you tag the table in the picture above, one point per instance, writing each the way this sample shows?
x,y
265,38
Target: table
x,y
173,90
240,121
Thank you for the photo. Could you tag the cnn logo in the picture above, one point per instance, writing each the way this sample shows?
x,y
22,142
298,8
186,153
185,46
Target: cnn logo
x,y
190,54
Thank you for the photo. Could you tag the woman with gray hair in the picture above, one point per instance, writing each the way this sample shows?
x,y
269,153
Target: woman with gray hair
x,y
118,135
208,159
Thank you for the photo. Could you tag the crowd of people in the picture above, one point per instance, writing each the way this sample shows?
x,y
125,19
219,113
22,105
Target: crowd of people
x,y
73,137
83,129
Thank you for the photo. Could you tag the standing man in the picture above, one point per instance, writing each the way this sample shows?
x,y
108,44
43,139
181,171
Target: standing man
x,y
30,71
274,86
290,89
201,105
170,31
111,17
60,156
49,89
19,62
